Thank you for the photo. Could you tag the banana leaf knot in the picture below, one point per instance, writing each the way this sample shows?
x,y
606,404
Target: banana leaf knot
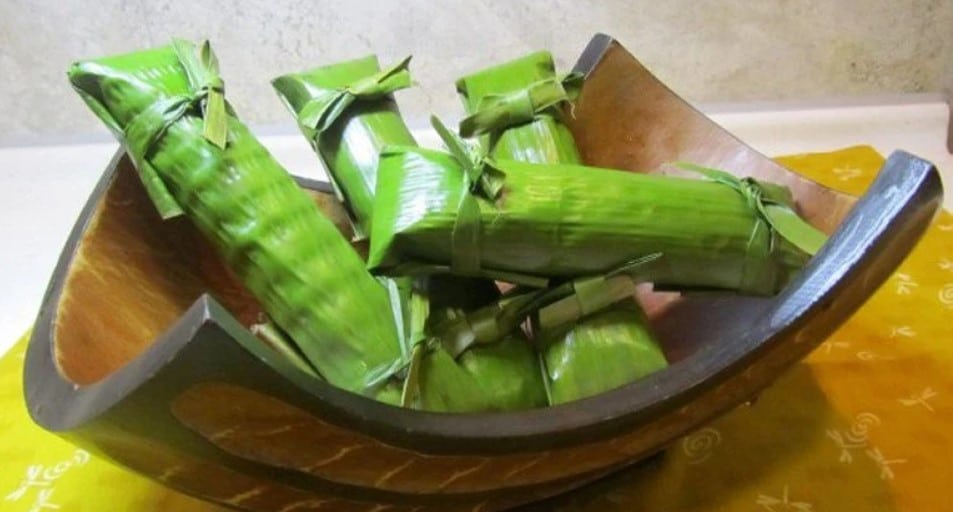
x,y
483,176
584,296
319,113
778,215
486,325
499,111
209,96
556,305
148,126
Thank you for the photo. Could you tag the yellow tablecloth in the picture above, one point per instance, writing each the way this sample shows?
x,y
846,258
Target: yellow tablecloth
x,y
863,424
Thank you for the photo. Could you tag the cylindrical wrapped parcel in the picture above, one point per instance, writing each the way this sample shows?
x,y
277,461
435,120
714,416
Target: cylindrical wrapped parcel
x,y
527,96
349,137
567,220
195,157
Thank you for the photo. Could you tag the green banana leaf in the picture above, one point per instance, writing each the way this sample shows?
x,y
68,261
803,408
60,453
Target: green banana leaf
x,y
438,212
605,349
352,138
562,304
541,138
501,376
166,106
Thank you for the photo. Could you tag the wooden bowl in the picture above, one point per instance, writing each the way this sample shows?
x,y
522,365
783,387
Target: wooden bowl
x,y
141,352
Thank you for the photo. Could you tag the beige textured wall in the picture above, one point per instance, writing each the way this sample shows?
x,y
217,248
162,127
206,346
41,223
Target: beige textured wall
x,y
728,50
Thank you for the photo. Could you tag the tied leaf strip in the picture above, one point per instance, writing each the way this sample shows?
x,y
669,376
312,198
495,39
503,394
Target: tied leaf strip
x,y
202,70
483,178
148,126
780,217
557,305
319,113
499,111
587,295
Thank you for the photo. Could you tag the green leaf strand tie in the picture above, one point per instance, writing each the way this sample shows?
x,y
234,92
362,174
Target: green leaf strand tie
x,y
556,305
775,218
498,111
488,324
481,177
779,215
320,112
145,130
588,295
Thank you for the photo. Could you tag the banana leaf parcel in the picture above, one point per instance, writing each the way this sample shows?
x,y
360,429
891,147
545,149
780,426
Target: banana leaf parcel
x,y
500,376
602,352
167,107
347,112
518,107
440,212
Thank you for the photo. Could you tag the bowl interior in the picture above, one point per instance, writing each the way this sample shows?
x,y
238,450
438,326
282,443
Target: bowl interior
x,y
133,275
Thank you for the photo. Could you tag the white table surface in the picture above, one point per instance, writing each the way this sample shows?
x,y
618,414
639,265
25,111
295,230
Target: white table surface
x,y
43,188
